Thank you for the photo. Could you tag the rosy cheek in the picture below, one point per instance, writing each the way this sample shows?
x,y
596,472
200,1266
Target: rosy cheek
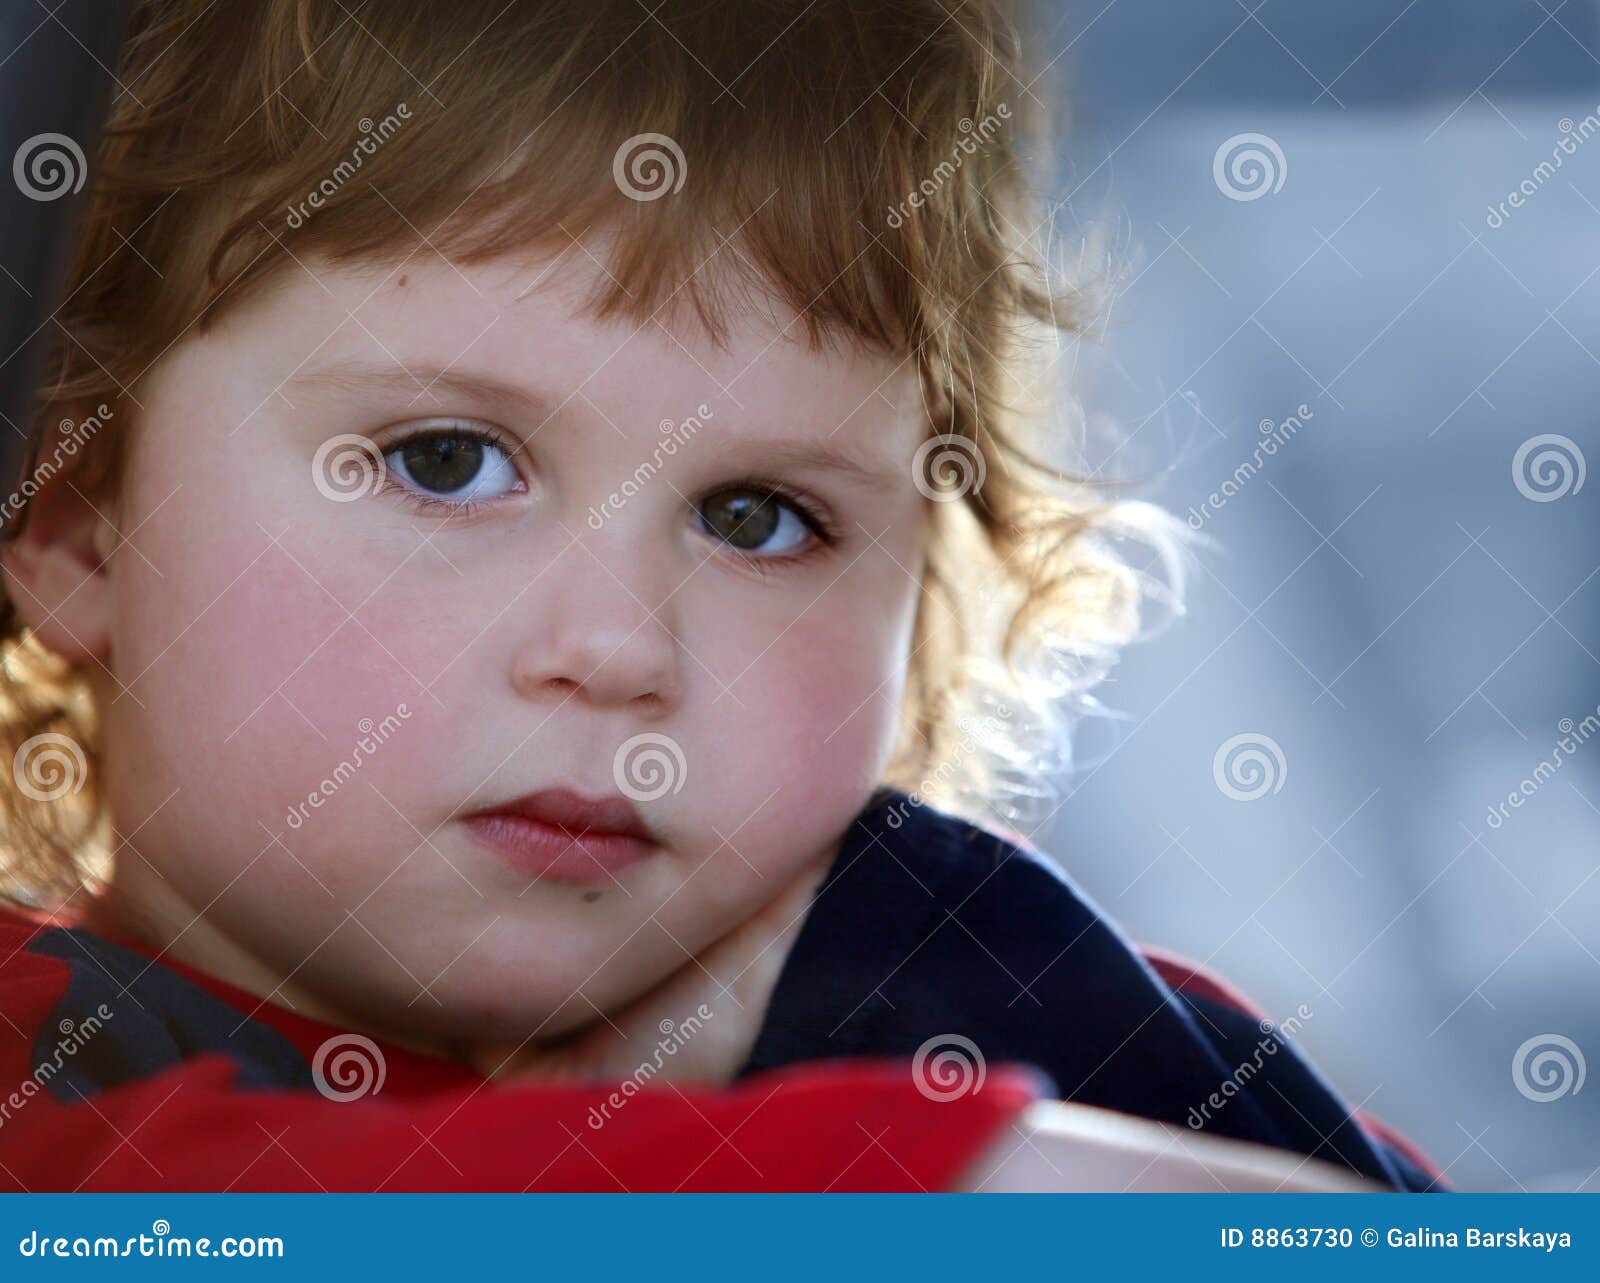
x,y
817,713
256,642
367,645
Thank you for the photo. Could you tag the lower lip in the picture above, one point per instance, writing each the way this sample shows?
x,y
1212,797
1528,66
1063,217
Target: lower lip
x,y
545,851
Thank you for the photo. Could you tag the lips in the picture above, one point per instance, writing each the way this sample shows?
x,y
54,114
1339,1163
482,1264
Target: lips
x,y
563,835
566,809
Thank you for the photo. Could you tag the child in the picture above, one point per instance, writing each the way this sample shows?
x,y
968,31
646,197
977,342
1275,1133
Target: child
x,y
561,474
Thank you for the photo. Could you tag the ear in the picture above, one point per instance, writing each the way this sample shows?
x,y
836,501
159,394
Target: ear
x,y
54,569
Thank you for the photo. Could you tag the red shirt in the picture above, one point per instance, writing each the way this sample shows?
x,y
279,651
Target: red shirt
x,y
115,1086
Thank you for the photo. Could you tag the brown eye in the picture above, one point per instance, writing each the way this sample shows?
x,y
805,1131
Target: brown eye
x,y
754,521
442,464
455,465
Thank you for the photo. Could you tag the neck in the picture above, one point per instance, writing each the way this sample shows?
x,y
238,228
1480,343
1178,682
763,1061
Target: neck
x,y
156,917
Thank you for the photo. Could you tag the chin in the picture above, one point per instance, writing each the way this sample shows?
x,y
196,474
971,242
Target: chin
x,y
474,1007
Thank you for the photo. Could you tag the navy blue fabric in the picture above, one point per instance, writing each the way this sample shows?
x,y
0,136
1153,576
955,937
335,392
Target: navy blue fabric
x,y
928,927
158,1020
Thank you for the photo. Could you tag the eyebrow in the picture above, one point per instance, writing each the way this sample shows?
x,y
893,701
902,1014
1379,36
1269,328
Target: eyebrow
x,y
822,457
484,388
420,381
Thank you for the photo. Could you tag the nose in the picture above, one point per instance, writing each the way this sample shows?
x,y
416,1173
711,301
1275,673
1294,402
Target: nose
x,y
594,638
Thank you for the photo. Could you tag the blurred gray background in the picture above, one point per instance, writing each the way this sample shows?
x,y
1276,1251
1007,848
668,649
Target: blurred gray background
x,y
1394,604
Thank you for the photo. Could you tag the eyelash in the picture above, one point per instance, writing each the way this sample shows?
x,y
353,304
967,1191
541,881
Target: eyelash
x,y
826,534
432,505
825,531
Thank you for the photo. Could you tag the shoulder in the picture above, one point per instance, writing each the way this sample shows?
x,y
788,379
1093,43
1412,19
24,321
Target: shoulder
x,y
987,890
957,943
930,924
1040,901
1249,1037
96,1015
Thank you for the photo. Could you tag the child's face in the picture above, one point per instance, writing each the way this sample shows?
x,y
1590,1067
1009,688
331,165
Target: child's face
x,y
265,624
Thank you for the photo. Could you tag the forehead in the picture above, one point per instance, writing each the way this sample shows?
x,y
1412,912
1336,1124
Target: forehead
x,y
523,322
